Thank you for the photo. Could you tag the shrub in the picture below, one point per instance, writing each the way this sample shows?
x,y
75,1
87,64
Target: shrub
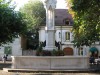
x,y
57,53
41,52
46,53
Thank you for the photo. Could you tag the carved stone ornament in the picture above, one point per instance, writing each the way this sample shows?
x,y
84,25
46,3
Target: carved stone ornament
x,y
50,3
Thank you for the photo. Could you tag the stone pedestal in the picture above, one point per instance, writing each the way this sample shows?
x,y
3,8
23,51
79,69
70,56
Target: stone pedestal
x,y
50,6
50,40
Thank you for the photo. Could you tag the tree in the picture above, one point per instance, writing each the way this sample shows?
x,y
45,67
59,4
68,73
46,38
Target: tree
x,y
11,22
35,16
35,13
86,14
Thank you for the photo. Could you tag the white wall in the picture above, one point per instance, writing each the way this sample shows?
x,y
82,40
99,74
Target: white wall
x,y
57,38
16,48
42,35
62,30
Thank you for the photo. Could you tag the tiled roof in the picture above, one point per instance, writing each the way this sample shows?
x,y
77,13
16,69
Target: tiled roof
x,y
61,15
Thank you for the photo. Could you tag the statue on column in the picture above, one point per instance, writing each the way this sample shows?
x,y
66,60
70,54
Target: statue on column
x,y
49,3
50,6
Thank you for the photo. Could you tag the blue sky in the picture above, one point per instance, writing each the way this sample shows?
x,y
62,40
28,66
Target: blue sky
x,y
60,3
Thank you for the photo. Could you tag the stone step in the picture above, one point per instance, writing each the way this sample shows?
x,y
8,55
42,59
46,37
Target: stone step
x,y
50,71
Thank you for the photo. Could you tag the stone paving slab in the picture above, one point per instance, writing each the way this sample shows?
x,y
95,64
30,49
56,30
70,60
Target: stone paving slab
x,y
24,73
52,71
68,72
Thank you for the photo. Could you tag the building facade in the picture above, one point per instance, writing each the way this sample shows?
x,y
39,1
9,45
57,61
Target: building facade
x,y
64,36
11,49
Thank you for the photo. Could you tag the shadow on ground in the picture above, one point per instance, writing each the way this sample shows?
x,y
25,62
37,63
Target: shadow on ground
x,y
4,65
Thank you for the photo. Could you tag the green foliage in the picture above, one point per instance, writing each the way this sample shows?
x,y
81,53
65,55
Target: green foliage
x,y
34,14
49,53
11,22
8,50
86,27
39,51
32,39
57,53
46,53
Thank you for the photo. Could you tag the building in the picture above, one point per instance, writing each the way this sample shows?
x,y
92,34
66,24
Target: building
x,y
64,35
63,38
11,49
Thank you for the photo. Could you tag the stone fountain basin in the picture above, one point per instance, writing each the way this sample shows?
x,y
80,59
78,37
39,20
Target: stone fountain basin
x,y
50,62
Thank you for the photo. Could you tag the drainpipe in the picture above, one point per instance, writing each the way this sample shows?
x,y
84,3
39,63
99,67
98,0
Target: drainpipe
x,y
61,37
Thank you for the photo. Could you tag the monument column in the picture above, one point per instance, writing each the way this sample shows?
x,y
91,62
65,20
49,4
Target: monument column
x,y
50,6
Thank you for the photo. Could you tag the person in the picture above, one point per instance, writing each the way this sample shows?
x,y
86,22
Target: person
x,y
92,60
4,59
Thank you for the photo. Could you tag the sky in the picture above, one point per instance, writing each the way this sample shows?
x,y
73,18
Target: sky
x,y
60,3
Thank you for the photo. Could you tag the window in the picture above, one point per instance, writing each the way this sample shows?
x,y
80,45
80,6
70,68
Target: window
x,y
67,22
8,50
67,36
55,16
59,35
